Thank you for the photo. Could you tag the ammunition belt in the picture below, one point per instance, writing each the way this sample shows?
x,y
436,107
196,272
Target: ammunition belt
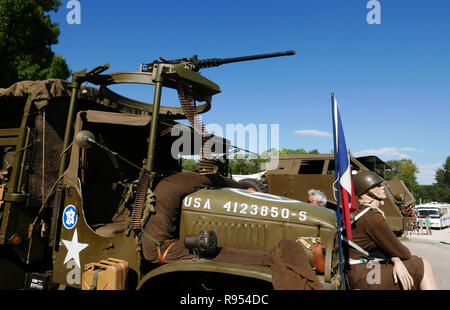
x,y
141,194
206,164
59,198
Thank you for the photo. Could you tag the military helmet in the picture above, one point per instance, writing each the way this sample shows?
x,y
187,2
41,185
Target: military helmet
x,y
365,180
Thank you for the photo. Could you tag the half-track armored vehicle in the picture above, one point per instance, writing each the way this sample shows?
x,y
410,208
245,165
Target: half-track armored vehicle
x,y
71,153
296,175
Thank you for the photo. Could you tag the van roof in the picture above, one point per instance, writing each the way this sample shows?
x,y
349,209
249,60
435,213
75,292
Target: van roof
x,y
433,205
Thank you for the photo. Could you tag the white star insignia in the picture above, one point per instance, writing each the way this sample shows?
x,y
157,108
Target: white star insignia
x,y
74,248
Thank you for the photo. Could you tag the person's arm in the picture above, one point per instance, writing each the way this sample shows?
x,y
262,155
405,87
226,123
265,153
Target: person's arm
x,y
217,180
382,235
380,232
401,273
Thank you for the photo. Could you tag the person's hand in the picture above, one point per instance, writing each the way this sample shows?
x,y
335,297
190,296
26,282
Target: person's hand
x,y
401,273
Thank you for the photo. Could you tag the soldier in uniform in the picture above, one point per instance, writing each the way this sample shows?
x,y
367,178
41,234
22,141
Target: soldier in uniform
x,y
395,268
287,260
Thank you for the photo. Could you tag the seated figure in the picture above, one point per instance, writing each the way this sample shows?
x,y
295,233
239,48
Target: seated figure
x,y
398,269
288,260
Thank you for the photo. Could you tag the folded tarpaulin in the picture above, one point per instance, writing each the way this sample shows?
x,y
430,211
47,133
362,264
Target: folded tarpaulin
x,y
41,93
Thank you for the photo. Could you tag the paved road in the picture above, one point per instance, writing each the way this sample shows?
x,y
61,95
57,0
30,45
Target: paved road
x,y
436,249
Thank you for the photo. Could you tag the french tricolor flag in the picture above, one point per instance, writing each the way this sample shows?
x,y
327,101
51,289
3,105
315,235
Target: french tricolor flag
x,y
342,166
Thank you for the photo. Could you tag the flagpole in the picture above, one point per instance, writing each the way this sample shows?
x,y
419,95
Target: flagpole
x,y
338,211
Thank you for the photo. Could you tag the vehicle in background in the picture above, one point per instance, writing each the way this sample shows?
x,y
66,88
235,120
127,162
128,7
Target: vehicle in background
x,y
439,214
297,174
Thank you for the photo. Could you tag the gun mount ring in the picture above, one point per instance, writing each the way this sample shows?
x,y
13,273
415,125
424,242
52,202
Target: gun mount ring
x,y
132,77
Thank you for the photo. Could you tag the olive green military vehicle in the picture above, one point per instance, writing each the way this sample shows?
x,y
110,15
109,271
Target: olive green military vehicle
x,y
296,175
71,153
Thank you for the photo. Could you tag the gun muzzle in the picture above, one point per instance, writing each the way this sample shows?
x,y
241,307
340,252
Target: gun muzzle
x,y
214,62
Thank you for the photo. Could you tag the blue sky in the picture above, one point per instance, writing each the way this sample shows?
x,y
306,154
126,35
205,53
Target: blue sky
x,y
391,80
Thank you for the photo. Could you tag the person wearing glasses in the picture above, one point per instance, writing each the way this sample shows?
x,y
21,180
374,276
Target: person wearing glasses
x,y
382,261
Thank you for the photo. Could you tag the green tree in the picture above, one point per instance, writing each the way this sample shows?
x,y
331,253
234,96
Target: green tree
x,y
439,191
442,185
406,171
246,164
58,68
302,151
26,37
443,174
290,152
189,164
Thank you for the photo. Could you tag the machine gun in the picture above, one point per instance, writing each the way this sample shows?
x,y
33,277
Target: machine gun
x,y
196,64
181,74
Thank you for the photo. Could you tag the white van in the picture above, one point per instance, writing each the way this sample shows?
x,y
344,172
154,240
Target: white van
x,y
439,214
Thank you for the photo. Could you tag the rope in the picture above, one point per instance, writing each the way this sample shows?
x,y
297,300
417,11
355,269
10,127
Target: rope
x,y
163,258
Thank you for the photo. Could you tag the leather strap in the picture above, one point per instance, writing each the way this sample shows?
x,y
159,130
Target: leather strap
x,y
94,280
150,237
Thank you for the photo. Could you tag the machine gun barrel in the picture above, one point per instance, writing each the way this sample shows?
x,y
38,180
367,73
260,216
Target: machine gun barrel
x,y
197,64
214,62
